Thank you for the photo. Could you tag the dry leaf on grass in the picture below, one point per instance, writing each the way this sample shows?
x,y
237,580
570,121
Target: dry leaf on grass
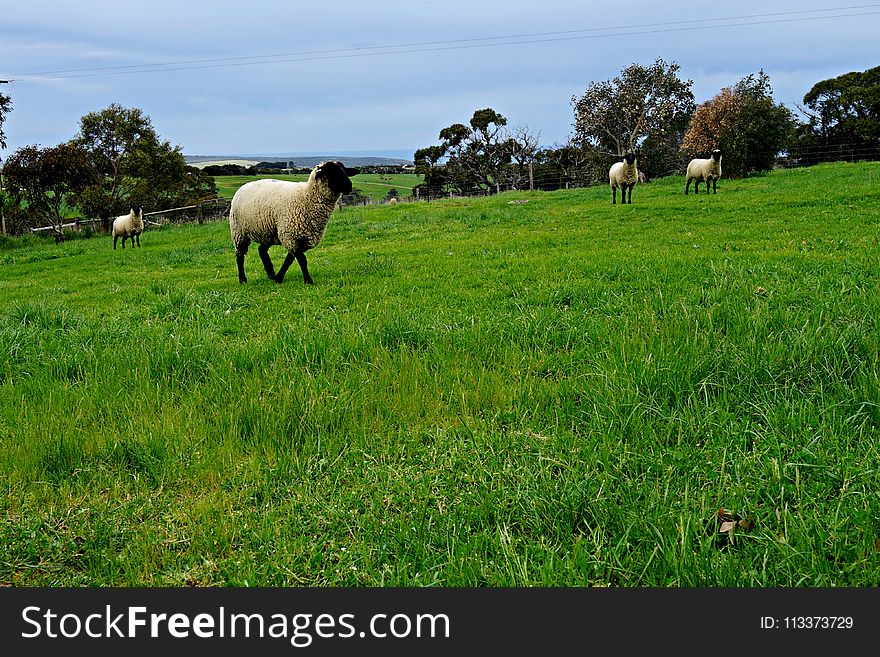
x,y
725,523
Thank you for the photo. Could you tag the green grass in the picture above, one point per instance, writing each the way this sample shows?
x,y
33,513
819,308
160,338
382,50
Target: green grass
x,y
373,185
475,392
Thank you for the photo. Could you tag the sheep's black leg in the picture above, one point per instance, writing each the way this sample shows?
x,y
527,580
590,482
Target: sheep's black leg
x,y
239,260
263,250
138,239
115,237
714,186
686,185
301,259
629,194
123,241
614,196
279,277
241,250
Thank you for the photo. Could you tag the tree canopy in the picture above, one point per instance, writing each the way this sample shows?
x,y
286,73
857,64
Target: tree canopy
x,y
42,178
134,166
5,108
745,123
843,118
644,109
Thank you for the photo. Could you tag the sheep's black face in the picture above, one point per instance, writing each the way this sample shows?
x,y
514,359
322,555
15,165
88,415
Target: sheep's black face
x,y
336,176
630,158
716,155
136,209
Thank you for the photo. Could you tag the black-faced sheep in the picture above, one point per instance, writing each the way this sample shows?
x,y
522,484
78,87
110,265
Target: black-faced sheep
x,y
292,214
129,226
700,169
624,175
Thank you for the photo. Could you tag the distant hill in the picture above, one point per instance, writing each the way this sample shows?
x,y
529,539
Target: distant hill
x,y
309,160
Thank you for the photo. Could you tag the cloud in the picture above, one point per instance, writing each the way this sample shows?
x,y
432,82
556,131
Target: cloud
x,y
360,97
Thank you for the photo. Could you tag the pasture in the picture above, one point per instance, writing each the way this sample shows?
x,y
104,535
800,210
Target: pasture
x,y
374,185
536,388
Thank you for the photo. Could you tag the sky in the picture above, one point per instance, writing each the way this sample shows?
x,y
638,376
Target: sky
x,y
384,77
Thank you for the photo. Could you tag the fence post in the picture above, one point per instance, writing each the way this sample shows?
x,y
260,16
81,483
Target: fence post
x,y
531,178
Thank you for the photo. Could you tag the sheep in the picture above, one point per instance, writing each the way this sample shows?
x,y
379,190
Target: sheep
x,y
129,226
700,169
292,214
624,175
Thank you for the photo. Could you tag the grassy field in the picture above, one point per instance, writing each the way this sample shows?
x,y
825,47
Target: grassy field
x,y
373,185
529,389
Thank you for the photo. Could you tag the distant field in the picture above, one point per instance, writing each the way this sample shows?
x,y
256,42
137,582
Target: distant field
x,y
531,389
369,184
202,165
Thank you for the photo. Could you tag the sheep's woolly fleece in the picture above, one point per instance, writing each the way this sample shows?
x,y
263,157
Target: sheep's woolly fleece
x,y
129,225
704,170
292,214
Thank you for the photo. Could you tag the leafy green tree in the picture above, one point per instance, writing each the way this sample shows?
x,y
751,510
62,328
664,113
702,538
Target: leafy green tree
x,y
428,164
133,165
843,118
745,123
43,179
469,156
645,110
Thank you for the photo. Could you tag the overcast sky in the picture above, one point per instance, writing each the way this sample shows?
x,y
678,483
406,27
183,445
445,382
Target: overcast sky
x,y
334,77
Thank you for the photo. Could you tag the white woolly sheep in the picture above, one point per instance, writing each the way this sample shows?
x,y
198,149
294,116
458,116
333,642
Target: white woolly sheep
x,y
129,226
624,175
700,169
292,214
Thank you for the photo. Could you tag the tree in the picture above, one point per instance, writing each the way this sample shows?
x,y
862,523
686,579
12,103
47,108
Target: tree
x,y
469,156
5,108
44,179
523,145
645,109
427,163
843,118
564,164
745,123
133,165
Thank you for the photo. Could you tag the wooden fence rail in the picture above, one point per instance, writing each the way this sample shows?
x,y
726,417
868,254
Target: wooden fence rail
x,y
206,208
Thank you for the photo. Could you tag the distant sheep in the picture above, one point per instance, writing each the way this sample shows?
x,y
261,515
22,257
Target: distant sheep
x,y
700,169
624,175
129,226
292,214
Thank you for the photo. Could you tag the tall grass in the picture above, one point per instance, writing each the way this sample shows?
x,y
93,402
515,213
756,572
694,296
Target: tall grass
x,y
476,392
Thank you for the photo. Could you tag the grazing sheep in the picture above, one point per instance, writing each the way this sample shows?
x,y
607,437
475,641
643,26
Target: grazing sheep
x,y
624,175
700,169
292,214
129,226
